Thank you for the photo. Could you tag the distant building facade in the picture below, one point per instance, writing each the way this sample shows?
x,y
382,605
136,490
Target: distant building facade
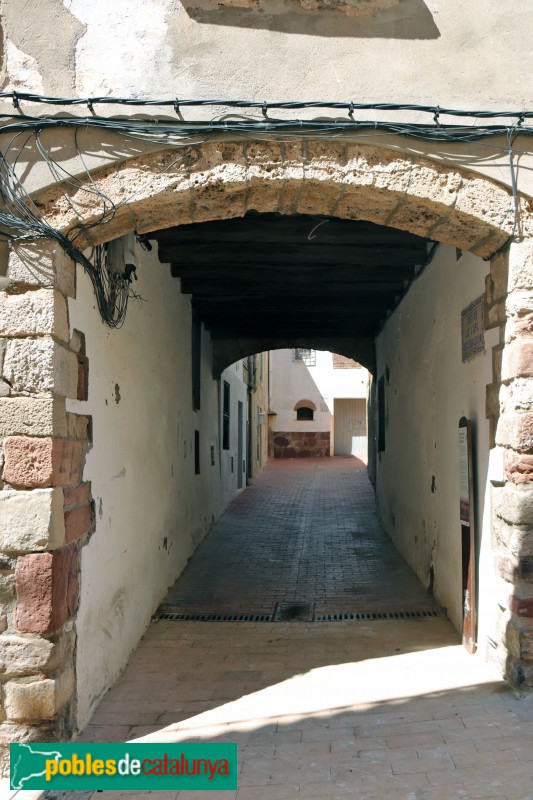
x,y
317,404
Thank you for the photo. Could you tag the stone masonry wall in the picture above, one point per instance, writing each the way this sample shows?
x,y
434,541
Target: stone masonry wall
x,y
510,306
46,511
300,444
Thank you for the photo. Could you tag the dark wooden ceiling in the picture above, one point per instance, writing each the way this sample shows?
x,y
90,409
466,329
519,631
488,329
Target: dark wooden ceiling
x,y
272,276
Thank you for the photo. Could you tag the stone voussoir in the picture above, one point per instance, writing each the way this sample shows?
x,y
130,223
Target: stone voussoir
x,y
518,359
37,699
29,655
519,468
32,520
47,590
33,416
37,366
42,264
514,504
521,265
516,431
42,462
34,313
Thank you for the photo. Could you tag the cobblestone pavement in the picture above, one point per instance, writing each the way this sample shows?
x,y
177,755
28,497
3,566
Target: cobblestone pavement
x,y
369,710
305,531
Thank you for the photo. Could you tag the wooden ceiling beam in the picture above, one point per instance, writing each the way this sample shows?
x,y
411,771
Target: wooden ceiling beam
x,y
244,290
349,256
292,273
278,228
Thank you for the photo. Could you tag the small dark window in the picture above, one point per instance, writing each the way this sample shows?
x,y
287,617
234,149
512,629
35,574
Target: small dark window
x,y
196,452
196,346
225,415
381,414
306,414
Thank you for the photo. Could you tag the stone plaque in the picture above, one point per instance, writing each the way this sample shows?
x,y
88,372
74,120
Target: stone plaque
x,y
473,329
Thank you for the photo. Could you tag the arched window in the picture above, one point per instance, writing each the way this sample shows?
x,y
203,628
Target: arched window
x,y
305,410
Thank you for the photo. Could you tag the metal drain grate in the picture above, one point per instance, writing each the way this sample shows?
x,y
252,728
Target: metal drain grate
x,y
215,617
296,612
362,615
286,612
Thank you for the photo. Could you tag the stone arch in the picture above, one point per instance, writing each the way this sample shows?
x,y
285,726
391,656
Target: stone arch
x,y
228,351
220,180
44,364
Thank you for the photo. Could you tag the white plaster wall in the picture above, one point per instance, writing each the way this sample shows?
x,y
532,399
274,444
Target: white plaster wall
x,y
429,389
292,381
430,51
151,509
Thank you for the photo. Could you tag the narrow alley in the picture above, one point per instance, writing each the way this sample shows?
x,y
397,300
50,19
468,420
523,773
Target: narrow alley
x,y
304,533
345,708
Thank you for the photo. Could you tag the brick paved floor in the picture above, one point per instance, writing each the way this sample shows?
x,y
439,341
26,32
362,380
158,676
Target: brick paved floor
x,y
388,710
380,710
304,531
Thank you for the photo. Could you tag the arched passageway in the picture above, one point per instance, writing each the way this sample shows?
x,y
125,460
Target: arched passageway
x,y
104,567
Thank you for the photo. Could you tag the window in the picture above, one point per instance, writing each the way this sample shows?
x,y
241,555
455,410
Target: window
x,y
381,414
305,410
307,356
225,415
196,355
196,452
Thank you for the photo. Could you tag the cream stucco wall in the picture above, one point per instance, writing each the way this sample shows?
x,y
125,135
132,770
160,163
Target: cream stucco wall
x,y
292,381
151,508
433,51
447,53
428,389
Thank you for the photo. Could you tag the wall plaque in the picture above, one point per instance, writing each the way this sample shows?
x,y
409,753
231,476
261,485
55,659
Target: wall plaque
x,y
473,329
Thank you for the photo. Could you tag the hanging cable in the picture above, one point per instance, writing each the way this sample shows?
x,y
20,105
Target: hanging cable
x,y
21,219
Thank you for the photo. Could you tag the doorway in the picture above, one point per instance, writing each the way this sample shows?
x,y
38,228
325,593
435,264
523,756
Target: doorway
x,y
350,430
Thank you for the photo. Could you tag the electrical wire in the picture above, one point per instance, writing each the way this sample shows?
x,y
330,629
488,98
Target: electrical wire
x,y
177,103
21,219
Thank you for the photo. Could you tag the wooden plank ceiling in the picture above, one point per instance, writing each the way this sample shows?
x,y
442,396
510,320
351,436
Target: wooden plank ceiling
x,y
276,276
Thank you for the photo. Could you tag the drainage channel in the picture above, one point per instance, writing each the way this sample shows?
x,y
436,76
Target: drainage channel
x,y
295,612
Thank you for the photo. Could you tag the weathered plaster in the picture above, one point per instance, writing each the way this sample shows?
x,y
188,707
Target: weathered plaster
x,y
428,389
41,36
135,37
